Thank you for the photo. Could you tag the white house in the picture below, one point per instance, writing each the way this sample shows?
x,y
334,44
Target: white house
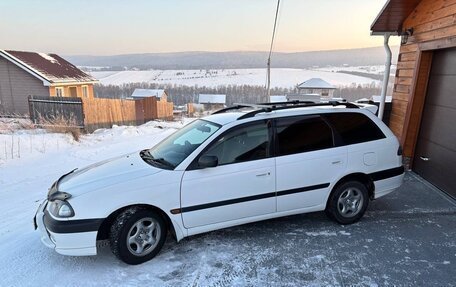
x,y
316,86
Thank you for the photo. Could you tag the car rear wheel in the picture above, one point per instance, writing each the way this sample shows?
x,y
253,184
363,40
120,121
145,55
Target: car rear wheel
x,y
348,202
137,235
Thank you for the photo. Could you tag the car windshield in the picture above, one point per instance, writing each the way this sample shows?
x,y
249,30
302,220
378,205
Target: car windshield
x,y
174,149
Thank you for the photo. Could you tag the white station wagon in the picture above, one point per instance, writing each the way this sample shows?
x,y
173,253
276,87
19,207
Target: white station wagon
x,y
241,164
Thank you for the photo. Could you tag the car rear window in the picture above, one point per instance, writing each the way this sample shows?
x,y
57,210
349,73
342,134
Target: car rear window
x,y
302,134
354,128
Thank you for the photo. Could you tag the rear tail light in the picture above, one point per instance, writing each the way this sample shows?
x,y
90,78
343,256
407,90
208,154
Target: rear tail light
x,y
399,150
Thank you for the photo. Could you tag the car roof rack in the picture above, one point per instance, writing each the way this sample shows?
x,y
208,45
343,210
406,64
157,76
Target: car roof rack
x,y
269,107
264,107
295,102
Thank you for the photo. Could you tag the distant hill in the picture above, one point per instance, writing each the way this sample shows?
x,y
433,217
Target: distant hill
x,y
228,60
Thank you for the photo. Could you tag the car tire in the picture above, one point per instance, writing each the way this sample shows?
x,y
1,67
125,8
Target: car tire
x,y
348,202
137,235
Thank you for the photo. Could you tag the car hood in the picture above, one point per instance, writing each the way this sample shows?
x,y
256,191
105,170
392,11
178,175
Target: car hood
x,y
106,173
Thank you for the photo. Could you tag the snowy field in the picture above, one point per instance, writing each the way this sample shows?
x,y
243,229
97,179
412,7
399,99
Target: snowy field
x,y
285,78
375,70
403,240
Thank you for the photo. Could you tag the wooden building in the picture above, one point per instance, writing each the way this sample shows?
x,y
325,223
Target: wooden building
x,y
212,102
424,97
38,74
160,94
153,103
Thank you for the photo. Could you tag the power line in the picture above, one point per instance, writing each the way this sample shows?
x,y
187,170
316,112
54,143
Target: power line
x,y
268,75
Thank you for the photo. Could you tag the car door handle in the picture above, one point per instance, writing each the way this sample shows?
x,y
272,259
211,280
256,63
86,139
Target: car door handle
x,y
336,162
263,174
423,158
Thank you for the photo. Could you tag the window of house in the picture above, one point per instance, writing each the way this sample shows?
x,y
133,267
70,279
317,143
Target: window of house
x,y
59,92
242,144
303,134
85,91
354,128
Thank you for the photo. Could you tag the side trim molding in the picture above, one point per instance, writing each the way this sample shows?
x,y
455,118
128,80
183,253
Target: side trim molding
x,y
248,198
302,189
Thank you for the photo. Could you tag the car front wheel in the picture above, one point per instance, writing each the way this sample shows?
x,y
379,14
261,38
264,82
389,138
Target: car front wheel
x,y
137,235
348,202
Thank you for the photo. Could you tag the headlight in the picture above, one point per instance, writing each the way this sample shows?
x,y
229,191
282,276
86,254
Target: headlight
x,y
60,208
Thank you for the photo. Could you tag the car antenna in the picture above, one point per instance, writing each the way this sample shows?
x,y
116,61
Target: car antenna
x,y
268,74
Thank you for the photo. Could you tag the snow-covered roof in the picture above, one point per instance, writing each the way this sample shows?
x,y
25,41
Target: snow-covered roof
x,y
145,93
315,83
211,99
50,68
278,99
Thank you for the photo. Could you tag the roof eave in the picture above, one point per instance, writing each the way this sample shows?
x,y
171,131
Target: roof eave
x,y
379,15
320,88
66,83
388,21
382,33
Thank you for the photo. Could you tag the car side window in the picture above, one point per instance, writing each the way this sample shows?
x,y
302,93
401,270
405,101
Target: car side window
x,y
242,144
302,134
354,128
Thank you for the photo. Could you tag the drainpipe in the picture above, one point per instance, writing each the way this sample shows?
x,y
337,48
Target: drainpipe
x,y
386,75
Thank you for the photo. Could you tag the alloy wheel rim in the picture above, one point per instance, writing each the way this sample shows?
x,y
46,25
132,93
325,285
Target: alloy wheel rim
x,y
143,236
350,202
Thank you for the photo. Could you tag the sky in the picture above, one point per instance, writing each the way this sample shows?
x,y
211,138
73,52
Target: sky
x,y
111,27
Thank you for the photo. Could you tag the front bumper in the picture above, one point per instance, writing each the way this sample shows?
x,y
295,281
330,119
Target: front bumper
x,y
66,237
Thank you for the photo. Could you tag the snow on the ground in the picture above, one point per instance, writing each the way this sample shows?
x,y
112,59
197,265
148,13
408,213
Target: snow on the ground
x,y
280,77
30,161
305,250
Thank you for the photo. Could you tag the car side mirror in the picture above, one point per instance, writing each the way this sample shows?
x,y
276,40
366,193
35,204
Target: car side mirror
x,y
208,161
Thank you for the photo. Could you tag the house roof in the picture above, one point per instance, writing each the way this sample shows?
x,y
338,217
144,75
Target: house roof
x,y
211,99
392,16
145,93
50,68
316,83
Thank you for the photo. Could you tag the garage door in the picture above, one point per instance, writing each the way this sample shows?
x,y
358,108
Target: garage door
x,y
435,154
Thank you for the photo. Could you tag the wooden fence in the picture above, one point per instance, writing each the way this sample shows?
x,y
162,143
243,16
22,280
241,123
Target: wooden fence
x,y
103,113
164,110
190,109
56,111
94,113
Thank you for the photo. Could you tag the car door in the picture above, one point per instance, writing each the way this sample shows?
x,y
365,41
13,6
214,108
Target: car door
x,y
241,185
307,162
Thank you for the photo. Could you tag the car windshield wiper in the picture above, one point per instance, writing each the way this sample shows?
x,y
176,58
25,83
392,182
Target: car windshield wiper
x,y
163,162
147,157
